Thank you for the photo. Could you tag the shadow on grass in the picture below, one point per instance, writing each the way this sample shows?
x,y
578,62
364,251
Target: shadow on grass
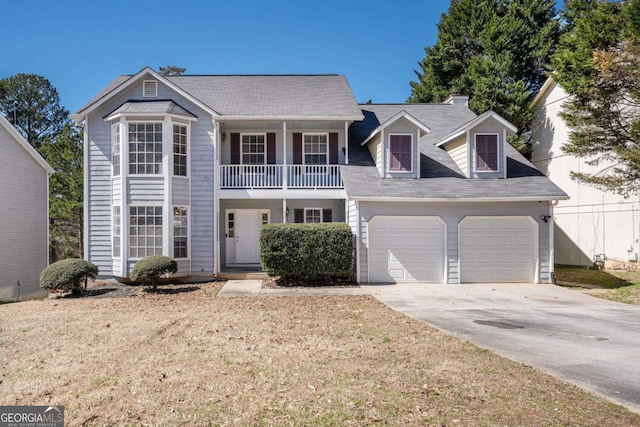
x,y
594,278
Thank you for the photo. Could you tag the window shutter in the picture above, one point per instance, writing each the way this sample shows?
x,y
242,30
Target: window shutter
x,y
298,216
492,152
297,148
333,148
271,148
326,215
235,148
400,148
486,152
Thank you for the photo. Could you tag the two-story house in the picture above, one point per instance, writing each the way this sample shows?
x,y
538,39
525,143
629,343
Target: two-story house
x,y
193,166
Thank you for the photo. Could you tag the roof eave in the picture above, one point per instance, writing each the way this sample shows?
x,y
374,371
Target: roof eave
x,y
292,118
458,199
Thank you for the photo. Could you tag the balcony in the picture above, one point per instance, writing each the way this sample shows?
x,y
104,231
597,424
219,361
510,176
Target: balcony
x,y
280,176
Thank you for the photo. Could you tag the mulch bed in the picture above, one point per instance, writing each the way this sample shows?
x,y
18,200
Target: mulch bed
x,y
280,283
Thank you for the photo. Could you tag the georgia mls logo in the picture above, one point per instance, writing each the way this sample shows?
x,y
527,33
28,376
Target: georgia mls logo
x,y
31,416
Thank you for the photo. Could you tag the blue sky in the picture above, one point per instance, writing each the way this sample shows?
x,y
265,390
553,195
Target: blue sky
x,y
81,46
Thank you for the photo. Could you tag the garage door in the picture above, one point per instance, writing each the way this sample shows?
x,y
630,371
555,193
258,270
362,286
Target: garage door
x,y
406,249
498,249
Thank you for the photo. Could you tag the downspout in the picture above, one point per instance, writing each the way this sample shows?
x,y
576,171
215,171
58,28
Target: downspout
x,y
552,274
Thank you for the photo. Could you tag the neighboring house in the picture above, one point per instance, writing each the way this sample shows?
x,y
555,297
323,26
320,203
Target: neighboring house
x,y
193,166
593,223
24,215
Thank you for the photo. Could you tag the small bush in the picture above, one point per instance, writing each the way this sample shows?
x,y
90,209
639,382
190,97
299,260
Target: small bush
x,y
307,251
149,270
68,274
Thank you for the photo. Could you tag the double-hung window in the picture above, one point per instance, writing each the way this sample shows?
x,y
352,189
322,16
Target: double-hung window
x,y
312,215
145,231
486,152
180,232
145,148
116,141
400,147
316,149
179,150
253,149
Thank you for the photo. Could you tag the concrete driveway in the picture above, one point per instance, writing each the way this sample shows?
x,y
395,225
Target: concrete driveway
x,y
590,342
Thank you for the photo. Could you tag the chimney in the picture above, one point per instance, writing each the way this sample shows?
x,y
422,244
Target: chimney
x,y
457,99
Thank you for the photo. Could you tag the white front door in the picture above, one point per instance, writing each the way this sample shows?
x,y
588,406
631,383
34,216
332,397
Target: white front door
x,y
247,234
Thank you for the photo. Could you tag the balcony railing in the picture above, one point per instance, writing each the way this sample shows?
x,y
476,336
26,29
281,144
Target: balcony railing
x,y
280,176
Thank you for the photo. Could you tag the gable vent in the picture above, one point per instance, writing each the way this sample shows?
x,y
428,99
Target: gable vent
x,y
150,89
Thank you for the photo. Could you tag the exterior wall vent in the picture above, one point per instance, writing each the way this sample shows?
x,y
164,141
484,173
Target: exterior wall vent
x,y
150,89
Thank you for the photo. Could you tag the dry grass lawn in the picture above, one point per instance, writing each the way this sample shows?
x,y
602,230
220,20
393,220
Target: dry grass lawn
x,y
615,285
189,358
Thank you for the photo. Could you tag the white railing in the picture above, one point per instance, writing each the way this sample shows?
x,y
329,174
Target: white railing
x,y
251,176
314,176
272,176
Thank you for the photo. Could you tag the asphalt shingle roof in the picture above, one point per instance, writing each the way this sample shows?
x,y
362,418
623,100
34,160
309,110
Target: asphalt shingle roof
x,y
264,95
440,177
152,107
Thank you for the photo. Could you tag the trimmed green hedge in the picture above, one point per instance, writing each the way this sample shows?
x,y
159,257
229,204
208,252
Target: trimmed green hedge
x,y
149,269
68,274
307,251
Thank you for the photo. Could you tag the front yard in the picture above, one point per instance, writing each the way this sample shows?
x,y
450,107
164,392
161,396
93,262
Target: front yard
x,y
616,285
185,357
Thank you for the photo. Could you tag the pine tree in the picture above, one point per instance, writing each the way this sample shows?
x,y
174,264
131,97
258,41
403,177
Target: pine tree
x,y
496,52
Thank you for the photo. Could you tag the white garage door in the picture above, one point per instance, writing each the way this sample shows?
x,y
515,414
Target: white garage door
x,y
498,249
406,249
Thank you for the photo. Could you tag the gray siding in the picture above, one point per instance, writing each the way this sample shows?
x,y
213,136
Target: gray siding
x,y
452,214
23,220
152,191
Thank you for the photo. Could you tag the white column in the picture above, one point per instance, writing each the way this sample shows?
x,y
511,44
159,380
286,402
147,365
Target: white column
x,y
284,211
346,142
216,199
167,172
124,196
285,166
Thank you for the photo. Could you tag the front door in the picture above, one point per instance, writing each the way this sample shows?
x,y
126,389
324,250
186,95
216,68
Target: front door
x,y
247,233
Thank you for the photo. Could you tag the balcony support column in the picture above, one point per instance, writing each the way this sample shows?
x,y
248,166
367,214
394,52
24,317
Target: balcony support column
x,y
285,169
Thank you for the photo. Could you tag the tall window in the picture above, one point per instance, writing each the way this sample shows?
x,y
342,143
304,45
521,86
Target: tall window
x,y
145,148
487,153
180,234
115,148
253,149
315,149
180,150
115,231
145,231
400,148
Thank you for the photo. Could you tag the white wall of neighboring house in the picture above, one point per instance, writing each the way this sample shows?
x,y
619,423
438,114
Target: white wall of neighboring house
x,y
24,232
591,222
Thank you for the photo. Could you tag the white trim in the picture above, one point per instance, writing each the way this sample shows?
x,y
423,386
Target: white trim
x,y
85,190
536,240
25,144
413,153
475,153
48,246
216,196
291,118
188,149
395,118
502,154
358,243
149,88
326,135
346,143
548,85
142,116
458,199
264,142
471,124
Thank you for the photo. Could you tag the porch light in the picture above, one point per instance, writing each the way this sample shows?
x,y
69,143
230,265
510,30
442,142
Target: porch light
x,y
286,212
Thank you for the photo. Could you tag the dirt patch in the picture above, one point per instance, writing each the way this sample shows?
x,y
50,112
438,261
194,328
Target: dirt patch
x,y
189,358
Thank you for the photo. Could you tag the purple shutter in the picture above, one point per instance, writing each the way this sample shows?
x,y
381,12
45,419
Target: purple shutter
x,y
486,152
297,148
235,148
298,216
271,148
400,148
333,148
326,215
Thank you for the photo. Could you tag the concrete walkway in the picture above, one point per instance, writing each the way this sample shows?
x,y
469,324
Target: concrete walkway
x,y
587,341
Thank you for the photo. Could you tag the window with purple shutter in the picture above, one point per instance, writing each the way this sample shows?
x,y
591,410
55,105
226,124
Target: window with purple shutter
x,y
487,153
400,149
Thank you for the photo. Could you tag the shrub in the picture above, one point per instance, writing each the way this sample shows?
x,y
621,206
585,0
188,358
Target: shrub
x,y
68,274
149,270
307,251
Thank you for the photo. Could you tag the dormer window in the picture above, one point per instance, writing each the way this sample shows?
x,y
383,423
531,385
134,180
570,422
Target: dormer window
x,y
486,148
401,150
150,89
